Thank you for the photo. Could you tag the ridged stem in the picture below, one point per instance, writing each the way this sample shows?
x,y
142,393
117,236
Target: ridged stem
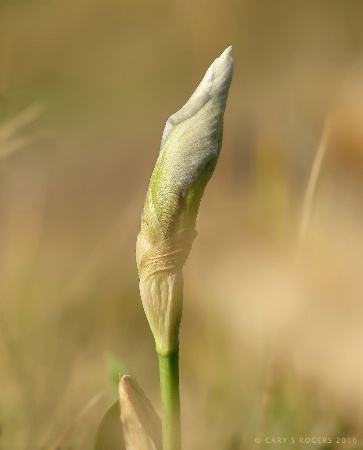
x,y
170,400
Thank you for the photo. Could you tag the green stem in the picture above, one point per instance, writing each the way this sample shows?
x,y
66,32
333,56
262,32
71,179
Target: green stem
x,y
170,401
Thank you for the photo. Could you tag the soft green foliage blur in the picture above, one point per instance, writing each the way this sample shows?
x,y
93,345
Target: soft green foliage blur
x,y
85,90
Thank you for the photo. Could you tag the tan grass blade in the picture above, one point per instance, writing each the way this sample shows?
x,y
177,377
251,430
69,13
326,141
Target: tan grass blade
x,y
9,141
109,434
59,441
311,187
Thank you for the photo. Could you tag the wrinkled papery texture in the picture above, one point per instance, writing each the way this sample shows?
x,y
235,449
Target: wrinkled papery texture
x,y
141,423
189,151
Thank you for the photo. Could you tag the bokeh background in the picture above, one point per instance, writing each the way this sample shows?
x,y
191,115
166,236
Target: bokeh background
x,y
272,335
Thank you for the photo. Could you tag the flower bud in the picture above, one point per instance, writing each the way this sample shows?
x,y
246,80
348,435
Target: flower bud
x,y
189,151
141,424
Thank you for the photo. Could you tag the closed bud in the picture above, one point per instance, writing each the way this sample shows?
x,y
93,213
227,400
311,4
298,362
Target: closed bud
x,y
189,151
141,423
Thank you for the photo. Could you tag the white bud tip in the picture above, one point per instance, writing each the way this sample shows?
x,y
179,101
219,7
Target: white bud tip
x,y
220,72
215,82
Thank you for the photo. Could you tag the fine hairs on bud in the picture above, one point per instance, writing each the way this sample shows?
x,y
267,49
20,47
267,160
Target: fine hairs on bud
x,y
189,151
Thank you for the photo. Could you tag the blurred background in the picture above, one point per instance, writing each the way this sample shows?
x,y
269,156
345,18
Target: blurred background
x,y
272,335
